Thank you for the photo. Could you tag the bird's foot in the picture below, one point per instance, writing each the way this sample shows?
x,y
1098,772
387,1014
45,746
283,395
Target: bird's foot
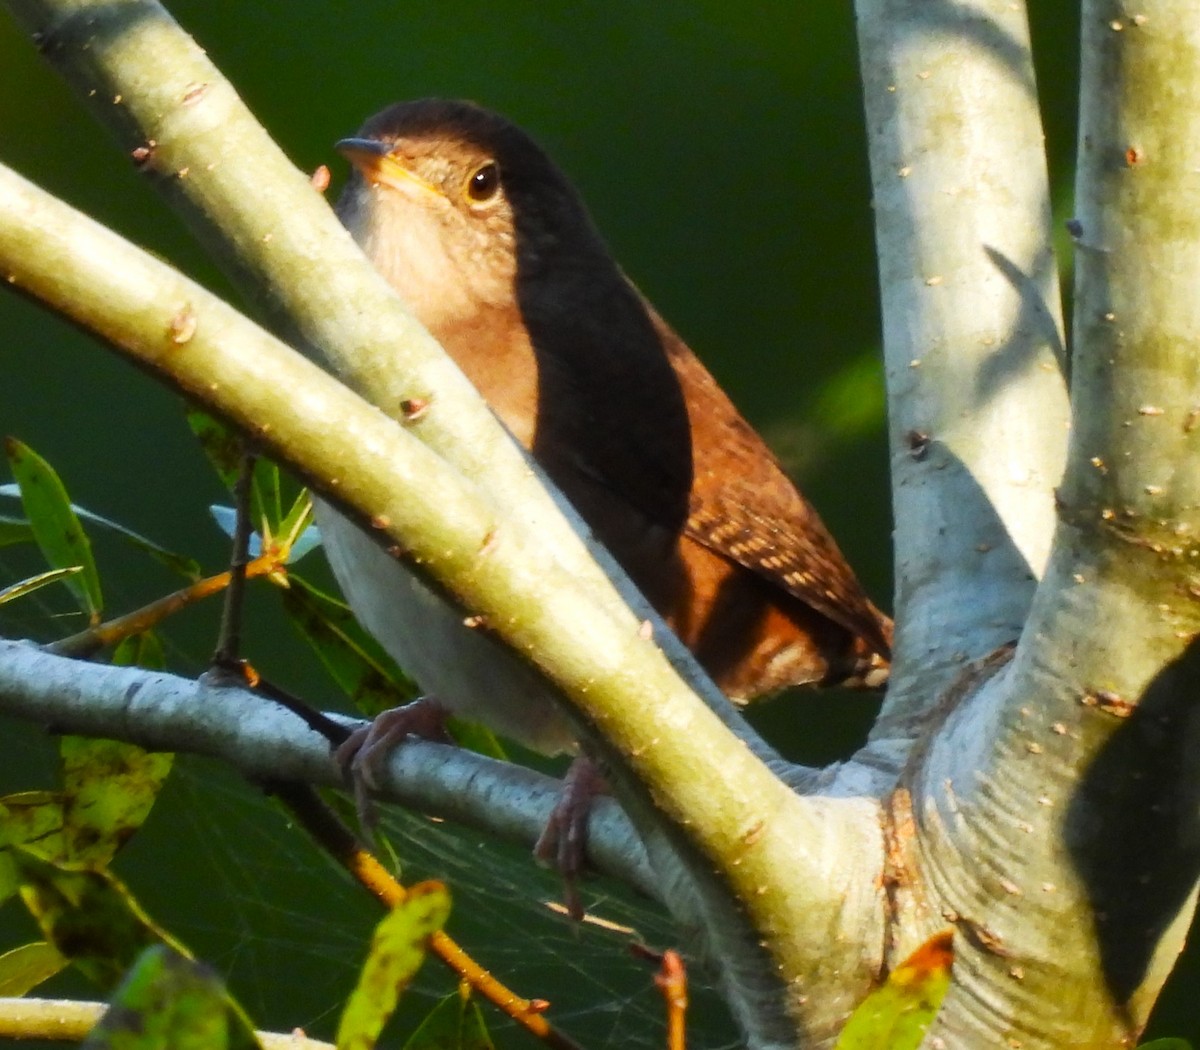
x,y
563,842
364,754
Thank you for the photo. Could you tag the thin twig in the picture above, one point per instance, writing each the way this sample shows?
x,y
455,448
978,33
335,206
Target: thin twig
x,y
341,844
71,1019
672,982
90,641
229,641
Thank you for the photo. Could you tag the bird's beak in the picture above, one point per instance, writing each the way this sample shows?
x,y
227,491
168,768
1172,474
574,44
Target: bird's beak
x,y
374,160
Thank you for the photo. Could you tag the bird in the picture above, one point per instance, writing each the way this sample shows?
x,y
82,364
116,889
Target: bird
x,y
494,251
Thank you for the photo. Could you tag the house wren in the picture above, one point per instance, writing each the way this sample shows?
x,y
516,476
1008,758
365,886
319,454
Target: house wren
x,y
490,246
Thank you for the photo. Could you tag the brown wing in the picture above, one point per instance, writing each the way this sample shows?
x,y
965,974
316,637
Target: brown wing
x,y
744,506
624,409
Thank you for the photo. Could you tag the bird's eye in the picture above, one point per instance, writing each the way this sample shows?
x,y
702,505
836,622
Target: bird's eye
x,y
483,183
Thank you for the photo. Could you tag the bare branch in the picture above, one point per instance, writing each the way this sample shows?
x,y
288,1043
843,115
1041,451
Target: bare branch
x,y
163,712
972,327
1056,807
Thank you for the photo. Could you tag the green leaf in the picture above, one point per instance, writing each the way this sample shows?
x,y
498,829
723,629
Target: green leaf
x,y
896,1016
108,790
10,883
34,820
180,563
397,951
297,529
33,583
225,449
55,526
140,650
267,495
456,1023
299,536
87,915
24,968
353,658
171,1002
223,446
1169,1043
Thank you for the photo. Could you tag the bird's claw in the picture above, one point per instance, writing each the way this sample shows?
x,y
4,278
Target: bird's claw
x,y
563,842
363,755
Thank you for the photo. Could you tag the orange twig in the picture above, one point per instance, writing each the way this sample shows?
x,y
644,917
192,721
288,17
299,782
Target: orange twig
x,y
89,641
341,844
312,814
672,982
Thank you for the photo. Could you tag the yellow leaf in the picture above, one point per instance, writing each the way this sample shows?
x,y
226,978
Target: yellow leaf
x,y
897,1016
397,951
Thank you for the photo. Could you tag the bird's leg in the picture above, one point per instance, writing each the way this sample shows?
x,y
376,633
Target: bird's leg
x,y
363,754
563,842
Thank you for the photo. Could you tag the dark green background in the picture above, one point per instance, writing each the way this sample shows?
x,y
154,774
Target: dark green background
x,y
721,149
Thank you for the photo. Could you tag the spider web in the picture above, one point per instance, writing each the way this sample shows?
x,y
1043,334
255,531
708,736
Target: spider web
x,y
221,867
289,930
